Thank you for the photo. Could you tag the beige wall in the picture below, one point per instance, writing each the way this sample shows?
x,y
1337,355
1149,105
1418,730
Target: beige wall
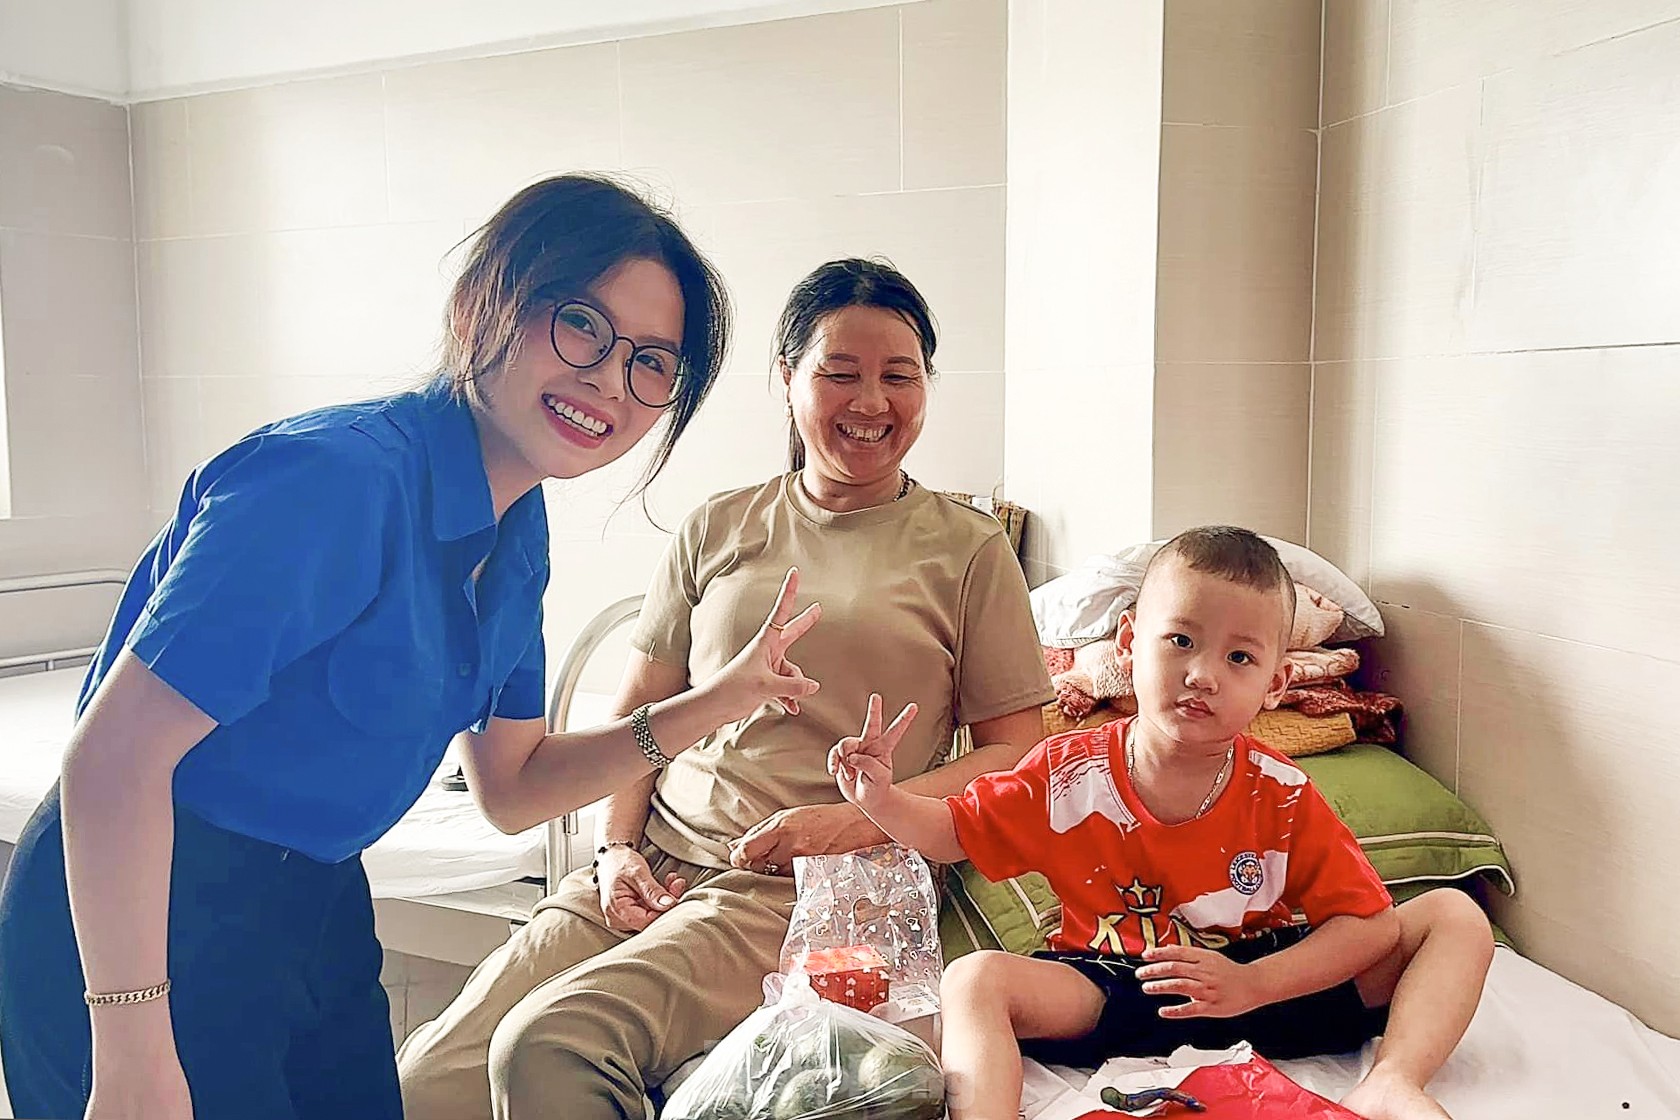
x,y
1162,182
290,236
236,43
67,317
1493,435
74,46
1084,148
1233,314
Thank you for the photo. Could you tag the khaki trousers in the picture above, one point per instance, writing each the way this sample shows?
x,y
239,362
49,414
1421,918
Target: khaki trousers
x,y
572,1019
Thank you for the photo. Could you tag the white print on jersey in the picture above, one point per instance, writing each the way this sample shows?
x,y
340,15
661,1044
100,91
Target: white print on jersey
x,y
1082,786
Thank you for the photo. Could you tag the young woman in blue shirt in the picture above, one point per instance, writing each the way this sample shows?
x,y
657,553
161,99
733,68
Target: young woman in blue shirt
x,y
186,929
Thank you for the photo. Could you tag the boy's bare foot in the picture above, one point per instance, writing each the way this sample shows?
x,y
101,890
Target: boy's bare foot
x,y
1383,1096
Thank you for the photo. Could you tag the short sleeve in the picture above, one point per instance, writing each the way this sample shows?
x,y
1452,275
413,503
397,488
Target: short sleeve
x,y
663,627
522,696
1000,668
1328,872
284,551
1003,818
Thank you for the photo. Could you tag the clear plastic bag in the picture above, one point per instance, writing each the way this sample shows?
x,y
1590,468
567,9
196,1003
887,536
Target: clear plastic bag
x,y
809,1058
879,898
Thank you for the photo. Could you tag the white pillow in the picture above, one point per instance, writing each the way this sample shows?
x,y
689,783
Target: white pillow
x,y
1084,605
1360,617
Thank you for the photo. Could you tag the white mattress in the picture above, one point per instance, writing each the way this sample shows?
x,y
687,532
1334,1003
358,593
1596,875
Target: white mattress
x,y
1539,1048
36,713
441,846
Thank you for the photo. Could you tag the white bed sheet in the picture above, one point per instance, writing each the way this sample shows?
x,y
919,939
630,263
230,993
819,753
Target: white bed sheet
x,y
36,714
1539,1048
441,846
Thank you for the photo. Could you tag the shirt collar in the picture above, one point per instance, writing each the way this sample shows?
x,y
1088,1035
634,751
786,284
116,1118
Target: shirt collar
x,y
461,504
527,520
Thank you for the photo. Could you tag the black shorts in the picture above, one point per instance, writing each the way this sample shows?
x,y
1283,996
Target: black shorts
x,y
1333,1021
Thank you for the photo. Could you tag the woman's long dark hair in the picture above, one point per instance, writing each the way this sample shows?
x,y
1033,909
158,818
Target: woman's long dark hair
x,y
837,285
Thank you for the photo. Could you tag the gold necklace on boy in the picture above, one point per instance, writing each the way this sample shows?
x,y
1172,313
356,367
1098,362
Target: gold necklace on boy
x,y
1213,791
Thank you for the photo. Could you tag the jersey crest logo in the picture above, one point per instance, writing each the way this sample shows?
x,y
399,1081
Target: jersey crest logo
x,y
1248,874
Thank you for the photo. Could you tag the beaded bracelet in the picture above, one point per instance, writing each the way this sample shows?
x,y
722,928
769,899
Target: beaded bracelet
x,y
112,999
595,864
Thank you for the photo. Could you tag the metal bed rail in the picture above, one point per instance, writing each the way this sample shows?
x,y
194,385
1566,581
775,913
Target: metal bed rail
x,y
91,578
557,848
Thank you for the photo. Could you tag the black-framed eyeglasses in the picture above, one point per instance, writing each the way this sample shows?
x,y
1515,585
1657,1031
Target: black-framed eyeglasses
x,y
582,336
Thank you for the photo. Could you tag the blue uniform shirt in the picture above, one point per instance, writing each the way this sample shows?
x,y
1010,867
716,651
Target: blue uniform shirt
x,y
313,595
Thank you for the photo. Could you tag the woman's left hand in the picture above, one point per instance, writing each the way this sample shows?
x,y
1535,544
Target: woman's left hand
x,y
809,830
762,671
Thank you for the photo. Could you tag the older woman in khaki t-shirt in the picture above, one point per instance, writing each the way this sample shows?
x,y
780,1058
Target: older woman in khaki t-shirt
x,y
612,985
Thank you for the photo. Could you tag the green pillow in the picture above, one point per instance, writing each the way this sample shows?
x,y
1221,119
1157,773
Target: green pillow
x,y
1017,915
1415,832
1413,828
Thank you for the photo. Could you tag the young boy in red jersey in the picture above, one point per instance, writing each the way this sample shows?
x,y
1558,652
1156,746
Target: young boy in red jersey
x,y
1181,850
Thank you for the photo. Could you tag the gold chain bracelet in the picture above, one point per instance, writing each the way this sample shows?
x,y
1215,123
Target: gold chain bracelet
x,y
111,999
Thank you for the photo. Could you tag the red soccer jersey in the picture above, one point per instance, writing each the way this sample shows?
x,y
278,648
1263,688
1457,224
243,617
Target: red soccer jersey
x,y
1269,847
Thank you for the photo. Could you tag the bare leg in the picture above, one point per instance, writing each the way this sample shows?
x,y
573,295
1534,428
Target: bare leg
x,y
1432,983
989,999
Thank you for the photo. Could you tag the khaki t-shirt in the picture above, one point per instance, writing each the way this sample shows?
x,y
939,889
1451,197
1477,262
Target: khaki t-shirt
x,y
922,600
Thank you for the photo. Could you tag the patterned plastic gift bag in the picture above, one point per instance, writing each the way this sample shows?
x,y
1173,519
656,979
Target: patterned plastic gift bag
x,y
874,904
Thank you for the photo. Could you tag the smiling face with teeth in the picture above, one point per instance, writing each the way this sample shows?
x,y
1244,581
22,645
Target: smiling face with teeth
x,y
546,419
859,396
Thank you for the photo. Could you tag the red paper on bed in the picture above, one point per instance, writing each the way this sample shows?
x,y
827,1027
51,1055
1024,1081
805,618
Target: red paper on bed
x,y
1236,1085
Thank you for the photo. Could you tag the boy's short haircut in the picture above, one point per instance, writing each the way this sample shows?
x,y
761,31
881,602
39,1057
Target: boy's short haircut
x,y
1231,553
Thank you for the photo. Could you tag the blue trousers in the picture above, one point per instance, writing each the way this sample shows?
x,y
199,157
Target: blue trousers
x,y
276,1001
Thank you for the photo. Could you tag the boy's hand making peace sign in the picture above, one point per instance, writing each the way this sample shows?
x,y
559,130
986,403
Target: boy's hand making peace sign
x,y
862,764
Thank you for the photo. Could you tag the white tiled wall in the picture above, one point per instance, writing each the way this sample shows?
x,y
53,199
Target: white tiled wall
x,y
1233,335
793,109
1599,125
292,237
1493,417
1160,300
72,410
1084,180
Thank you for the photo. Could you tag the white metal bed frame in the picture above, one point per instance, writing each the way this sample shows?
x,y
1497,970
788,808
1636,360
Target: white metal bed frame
x,y
561,830
56,658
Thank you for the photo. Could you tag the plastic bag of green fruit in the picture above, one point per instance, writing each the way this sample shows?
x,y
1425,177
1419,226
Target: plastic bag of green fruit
x,y
805,1058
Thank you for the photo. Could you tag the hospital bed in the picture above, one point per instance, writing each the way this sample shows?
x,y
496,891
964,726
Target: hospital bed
x,y
1539,1048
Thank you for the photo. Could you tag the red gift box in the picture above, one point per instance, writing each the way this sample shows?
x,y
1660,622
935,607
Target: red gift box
x,y
856,975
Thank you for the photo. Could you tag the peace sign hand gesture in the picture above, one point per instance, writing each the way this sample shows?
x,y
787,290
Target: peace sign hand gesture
x,y
862,764
762,671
